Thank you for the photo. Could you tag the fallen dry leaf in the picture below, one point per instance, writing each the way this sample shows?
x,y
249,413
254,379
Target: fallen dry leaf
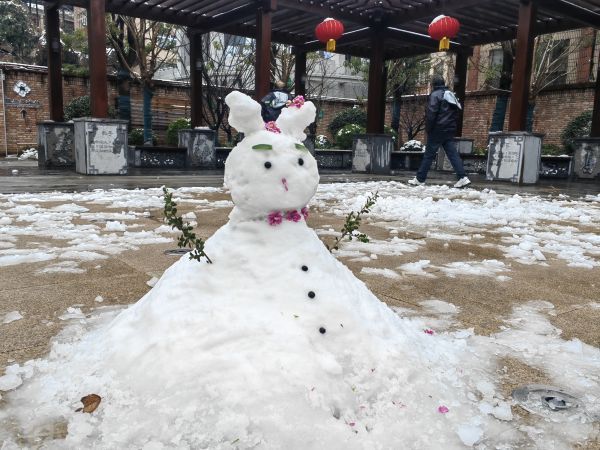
x,y
90,403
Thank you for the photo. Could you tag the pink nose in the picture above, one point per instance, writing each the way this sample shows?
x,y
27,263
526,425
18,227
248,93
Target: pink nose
x,y
284,182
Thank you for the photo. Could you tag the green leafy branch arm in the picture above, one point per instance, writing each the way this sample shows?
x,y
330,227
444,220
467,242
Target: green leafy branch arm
x,y
187,238
352,223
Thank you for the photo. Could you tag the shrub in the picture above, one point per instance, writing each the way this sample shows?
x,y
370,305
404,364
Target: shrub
x,y
552,149
173,130
344,137
136,137
480,151
322,142
579,127
413,146
79,107
347,117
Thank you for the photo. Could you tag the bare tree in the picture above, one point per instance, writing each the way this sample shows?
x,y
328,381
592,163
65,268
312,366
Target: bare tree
x,y
412,117
149,47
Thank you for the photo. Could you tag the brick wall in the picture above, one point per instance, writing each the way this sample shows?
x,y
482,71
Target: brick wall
x,y
554,108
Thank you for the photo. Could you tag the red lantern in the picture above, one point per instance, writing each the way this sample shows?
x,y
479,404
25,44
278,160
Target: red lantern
x,y
328,31
444,28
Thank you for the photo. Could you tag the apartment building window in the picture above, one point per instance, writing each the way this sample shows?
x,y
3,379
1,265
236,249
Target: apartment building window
x,y
494,70
234,44
558,63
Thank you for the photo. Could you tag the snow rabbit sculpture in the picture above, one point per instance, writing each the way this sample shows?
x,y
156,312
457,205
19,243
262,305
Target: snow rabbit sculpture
x,y
270,172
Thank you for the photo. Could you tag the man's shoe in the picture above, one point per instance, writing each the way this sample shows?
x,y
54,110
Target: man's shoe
x,y
415,182
464,181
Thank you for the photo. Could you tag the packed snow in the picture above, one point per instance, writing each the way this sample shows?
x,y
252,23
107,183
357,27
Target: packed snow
x,y
276,344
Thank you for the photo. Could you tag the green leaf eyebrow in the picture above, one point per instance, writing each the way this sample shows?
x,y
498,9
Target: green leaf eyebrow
x,y
262,147
301,147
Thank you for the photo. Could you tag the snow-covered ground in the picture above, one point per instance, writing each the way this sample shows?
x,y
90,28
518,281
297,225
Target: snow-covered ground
x,y
457,401
86,235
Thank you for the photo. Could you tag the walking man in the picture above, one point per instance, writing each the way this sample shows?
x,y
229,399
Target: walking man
x,y
441,116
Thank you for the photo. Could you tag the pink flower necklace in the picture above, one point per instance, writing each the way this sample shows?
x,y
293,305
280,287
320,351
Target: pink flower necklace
x,y
276,217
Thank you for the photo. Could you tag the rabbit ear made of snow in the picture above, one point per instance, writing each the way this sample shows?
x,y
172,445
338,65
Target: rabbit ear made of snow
x,y
244,113
293,119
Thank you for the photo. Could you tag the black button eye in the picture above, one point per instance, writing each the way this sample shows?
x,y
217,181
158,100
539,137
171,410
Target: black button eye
x,y
300,161
268,165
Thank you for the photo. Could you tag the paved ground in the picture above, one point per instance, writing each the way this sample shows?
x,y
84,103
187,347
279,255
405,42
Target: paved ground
x,y
122,278
28,178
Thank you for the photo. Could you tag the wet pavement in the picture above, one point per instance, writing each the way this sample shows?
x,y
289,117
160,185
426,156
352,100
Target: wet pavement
x,y
25,176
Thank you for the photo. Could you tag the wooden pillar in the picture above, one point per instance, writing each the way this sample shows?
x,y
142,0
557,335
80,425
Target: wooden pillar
x,y
460,86
97,52
262,69
519,99
299,72
55,87
595,131
196,66
376,85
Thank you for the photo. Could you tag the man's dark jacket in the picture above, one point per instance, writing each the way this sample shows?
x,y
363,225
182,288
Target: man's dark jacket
x,y
441,115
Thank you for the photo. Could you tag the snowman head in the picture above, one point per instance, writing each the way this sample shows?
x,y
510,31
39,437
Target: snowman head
x,y
270,169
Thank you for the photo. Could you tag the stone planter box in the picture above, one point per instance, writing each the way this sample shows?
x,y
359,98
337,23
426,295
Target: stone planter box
x,y
464,147
372,153
514,156
100,146
201,145
586,159
334,159
156,157
555,166
56,144
406,160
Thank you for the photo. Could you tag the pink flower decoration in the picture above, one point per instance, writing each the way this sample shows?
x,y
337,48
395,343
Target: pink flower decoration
x,y
293,216
272,127
298,101
443,409
352,424
275,218
428,331
304,212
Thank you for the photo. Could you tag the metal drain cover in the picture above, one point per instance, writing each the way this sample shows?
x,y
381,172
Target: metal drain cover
x,y
177,251
549,401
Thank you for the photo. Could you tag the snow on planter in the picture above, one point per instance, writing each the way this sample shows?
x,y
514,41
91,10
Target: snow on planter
x,y
276,344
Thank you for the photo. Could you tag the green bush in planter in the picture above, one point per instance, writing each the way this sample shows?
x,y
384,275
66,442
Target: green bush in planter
x,y
347,117
321,142
579,127
344,137
173,130
79,107
136,137
552,150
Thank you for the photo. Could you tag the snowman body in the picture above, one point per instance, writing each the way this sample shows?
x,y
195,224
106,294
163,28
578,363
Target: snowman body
x,y
275,345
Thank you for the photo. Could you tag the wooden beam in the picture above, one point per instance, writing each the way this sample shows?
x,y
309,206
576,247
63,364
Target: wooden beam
x,y
572,11
229,18
420,40
376,85
262,68
196,66
595,131
299,72
519,99
430,9
460,86
53,46
322,10
97,58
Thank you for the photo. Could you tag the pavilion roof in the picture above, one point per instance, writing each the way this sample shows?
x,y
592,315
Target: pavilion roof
x,y
403,22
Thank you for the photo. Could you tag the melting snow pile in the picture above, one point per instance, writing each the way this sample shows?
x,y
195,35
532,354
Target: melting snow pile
x,y
274,345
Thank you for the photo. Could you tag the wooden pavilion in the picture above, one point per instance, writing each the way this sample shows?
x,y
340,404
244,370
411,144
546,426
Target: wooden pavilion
x,y
376,29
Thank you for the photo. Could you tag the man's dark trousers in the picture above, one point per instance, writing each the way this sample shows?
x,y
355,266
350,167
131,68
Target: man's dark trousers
x,y
434,141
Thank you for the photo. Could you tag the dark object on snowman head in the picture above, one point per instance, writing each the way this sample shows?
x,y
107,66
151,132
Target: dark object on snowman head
x,y
311,294
322,330
304,268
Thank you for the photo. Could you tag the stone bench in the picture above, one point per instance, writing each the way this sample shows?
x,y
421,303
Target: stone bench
x,y
156,157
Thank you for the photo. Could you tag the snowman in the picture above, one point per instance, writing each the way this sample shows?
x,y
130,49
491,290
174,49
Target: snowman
x,y
274,345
